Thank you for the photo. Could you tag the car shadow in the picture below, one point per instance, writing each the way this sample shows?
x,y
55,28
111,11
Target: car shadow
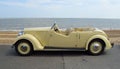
x,y
59,53
50,53
12,52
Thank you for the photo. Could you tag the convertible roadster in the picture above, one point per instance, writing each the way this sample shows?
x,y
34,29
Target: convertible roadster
x,y
91,40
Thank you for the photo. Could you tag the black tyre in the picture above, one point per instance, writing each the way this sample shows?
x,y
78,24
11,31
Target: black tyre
x,y
96,47
24,48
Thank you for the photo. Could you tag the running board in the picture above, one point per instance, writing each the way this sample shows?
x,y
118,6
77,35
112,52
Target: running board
x,y
63,49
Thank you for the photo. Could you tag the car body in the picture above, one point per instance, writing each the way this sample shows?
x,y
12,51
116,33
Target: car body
x,y
92,40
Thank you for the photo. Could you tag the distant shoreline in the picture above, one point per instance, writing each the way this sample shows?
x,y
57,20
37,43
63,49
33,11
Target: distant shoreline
x,y
56,18
20,23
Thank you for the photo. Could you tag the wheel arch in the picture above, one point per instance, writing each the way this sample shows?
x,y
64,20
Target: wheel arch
x,y
22,40
102,38
28,37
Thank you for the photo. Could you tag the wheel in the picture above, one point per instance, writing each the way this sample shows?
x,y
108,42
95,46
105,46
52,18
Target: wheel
x,y
24,48
96,47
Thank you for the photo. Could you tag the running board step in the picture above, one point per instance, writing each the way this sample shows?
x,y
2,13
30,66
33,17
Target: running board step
x,y
63,49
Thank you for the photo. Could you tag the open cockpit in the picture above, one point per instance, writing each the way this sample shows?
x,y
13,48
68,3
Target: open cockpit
x,y
69,30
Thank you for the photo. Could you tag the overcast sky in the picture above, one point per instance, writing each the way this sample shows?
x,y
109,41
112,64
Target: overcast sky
x,y
60,8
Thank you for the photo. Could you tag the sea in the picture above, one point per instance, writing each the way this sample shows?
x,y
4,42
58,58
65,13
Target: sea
x,y
21,23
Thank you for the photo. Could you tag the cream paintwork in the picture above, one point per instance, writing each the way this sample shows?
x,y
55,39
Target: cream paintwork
x,y
36,44
61,40
78,38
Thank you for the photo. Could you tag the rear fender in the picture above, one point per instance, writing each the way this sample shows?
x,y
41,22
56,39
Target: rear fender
x,y
106,41
36,44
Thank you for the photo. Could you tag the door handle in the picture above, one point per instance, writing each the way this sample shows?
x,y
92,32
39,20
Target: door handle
x,y
79,36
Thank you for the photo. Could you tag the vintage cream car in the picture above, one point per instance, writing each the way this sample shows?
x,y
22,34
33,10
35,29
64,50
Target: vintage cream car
x,y
91,40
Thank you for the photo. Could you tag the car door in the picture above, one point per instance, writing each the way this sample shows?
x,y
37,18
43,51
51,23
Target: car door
x,y
83,38
61,40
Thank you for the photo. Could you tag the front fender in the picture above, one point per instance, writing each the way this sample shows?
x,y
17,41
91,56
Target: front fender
x,y
107,42
36,44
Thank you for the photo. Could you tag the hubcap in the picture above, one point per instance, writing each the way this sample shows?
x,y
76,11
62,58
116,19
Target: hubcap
x,y
96,47
23,48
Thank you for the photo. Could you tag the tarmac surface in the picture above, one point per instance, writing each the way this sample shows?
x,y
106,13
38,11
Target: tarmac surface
x,y
59,60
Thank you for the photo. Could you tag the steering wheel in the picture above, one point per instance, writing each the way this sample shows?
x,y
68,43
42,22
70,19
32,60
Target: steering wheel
x,y
55,27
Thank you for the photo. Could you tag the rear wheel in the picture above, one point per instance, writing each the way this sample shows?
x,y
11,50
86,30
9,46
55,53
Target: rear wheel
x,y
96,47
24,48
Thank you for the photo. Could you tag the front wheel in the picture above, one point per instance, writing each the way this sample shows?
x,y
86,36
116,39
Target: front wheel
x,y
24,48
96,47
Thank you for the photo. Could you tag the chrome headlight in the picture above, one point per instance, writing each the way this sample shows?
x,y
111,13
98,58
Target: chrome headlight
x,y
20,33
